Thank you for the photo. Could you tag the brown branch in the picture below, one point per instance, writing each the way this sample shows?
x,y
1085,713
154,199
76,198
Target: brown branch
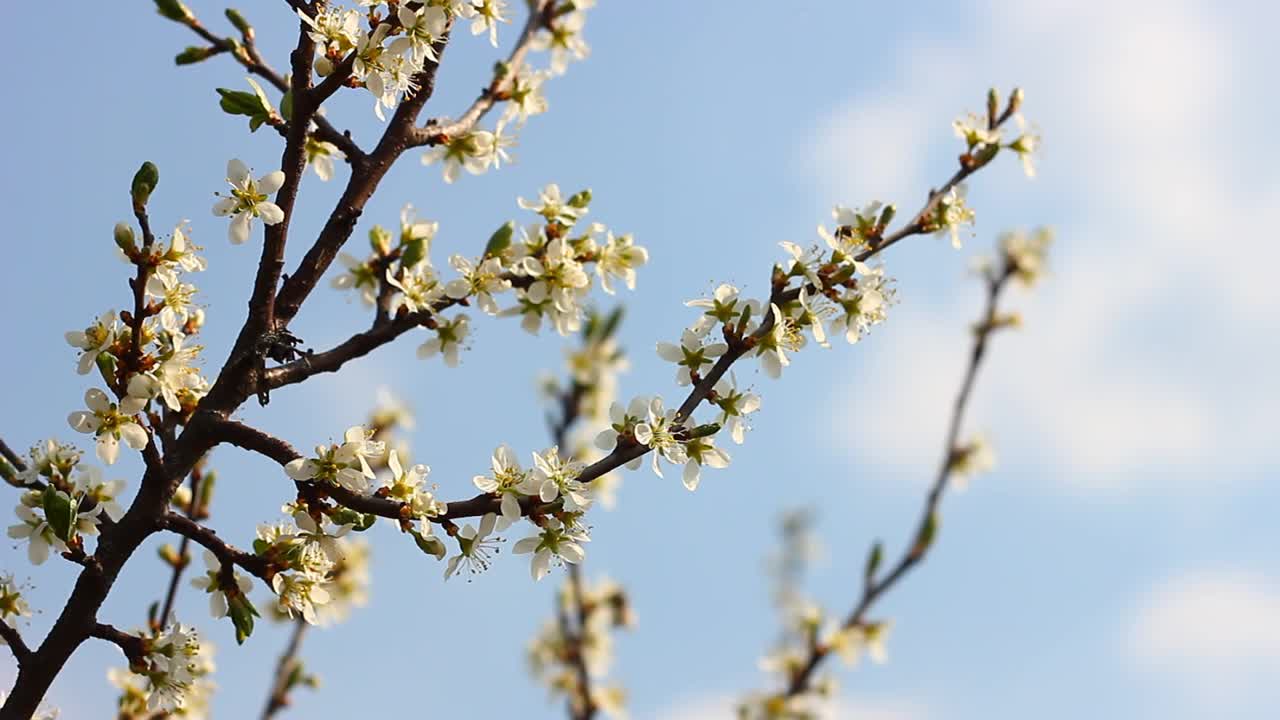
x,y
14,458
585,707
919,545
208,539
286,666
131,645
14,640
363,182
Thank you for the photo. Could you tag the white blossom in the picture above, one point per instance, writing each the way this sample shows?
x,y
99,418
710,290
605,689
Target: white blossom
x,y
248,200
94,340
656,431
691,355
475,547
450,334
111,423
553,540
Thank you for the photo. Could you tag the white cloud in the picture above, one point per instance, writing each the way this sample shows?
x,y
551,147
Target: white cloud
x,y
1215,634
721,707
1145,350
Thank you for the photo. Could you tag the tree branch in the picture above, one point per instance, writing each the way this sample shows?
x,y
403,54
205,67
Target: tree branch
x,y
14,640
915,552
131,645
208,539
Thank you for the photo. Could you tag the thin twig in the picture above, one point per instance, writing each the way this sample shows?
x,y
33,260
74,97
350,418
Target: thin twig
x,y
278,698
252,61
183,561
918,547
207,538
585,707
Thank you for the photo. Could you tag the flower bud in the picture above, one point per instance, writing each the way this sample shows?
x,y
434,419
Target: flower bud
x,y
380,240
124,238
236,19
144,183
174,10
193,55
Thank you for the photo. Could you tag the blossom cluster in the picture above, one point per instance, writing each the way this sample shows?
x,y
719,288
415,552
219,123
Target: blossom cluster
x,y
63,503
147,358
171,678
319,573
559,33
560,643
545,268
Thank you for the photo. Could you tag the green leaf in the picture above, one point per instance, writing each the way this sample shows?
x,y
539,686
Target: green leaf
x,y
144,183
59,512
242,613
414,251
611,324
580,199
286,105
429,544
500,239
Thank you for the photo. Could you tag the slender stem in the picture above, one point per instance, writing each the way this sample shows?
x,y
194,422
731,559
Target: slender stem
x,y
278,699
14,458
574,635
916,550
183,560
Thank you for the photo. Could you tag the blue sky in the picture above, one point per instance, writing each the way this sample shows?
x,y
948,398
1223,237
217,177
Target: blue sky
x,y
1121,560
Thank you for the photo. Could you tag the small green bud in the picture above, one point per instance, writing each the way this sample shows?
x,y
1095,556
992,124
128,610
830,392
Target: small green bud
x,y
240,23
1015,101
286,105
144,183
124,238
174,10
193,55
207,484
380,240
928,532
993,105
886,215
500,239
873,562
580,199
